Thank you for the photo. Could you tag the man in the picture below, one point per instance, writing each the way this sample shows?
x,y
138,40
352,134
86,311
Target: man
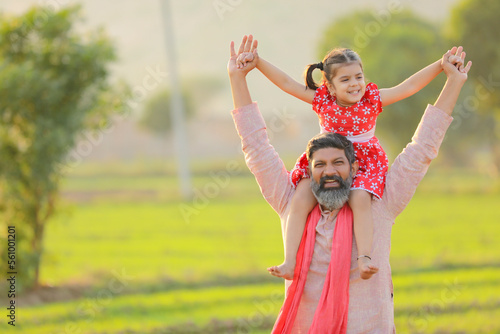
x,y
370,302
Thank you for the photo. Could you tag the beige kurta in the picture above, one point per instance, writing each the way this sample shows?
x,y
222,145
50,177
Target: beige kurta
x,y
371,308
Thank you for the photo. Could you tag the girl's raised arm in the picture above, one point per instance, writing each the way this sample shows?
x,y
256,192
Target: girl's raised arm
x,y
285,82
274,74
418,80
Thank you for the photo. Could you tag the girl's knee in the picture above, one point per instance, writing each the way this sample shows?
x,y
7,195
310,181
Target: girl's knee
x,y
359,197
303,199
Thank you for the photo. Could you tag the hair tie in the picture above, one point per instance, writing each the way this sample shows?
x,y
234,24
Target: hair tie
x,y
320,65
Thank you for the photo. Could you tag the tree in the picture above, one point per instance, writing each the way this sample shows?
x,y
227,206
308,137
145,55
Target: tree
x,y
475,25
156,116
53,85
392,47
197,92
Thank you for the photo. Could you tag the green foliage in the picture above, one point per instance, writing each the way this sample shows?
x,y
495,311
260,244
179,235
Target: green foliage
x,y
475,25
392,49
157,113
53,85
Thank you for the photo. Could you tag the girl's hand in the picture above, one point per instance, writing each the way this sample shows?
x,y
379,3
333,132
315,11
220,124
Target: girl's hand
x,y
453,63
244,58
454,56
248,45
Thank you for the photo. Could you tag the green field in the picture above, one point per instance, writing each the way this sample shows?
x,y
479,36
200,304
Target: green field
x,y
123,258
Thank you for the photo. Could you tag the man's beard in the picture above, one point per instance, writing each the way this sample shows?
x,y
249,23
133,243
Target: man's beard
x,y
332,198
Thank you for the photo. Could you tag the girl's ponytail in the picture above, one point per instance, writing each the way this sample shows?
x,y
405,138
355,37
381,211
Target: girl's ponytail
x,y
308,75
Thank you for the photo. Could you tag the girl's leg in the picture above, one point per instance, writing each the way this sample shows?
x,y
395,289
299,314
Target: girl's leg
x,y
361,205
303,202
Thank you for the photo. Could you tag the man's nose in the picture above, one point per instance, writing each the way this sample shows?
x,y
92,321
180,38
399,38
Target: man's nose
x,y
330,170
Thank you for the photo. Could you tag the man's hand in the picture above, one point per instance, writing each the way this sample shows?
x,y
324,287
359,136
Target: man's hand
x,y
247,50
456,78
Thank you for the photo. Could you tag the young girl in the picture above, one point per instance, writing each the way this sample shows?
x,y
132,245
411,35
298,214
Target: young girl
x,y
345,104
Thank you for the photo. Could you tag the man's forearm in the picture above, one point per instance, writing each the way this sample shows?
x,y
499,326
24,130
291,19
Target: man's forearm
x,y
239,90
449,95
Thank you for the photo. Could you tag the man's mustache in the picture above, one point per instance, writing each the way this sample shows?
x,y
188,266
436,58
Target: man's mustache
x,y
337,178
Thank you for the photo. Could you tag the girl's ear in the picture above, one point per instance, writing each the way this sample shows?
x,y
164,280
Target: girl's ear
x,y
331,89
355,167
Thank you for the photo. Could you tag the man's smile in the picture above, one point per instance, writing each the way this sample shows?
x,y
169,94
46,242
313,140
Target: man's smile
x,y
331,183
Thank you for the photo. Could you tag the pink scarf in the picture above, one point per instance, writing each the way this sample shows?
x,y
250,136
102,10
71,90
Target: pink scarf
x,y
331,314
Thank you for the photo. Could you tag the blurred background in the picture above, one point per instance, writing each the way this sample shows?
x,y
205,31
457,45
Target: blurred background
x,y
107,238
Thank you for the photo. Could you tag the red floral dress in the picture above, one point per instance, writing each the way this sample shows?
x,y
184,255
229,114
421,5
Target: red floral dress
x,y
357,122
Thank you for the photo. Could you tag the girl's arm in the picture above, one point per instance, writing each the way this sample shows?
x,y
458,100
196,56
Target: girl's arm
x,y
285,82
411,85
420,79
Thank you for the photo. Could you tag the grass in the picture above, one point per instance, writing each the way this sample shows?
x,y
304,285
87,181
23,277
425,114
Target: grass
x,y
206,274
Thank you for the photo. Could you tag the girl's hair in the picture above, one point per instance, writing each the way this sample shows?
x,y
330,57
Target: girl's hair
x,y
330,65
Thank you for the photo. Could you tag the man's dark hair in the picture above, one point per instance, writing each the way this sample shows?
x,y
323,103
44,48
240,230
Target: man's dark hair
x,y
327,140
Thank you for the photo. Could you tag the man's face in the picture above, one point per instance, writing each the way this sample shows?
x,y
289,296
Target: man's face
x,y
331,176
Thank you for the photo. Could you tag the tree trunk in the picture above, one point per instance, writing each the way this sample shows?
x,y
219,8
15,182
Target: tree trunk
x,y
36,249
37,244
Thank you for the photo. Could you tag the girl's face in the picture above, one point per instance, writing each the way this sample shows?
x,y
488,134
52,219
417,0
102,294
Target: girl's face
x,y
348,85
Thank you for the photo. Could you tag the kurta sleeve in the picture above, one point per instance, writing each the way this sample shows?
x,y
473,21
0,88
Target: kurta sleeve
x,y
411,165
261,157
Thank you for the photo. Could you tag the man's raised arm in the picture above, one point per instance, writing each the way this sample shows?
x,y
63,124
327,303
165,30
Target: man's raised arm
x,y
411,165
260,156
